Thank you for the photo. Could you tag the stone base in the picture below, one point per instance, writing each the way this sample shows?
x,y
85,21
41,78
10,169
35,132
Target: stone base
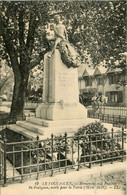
x,y
61,111
58,123
44,128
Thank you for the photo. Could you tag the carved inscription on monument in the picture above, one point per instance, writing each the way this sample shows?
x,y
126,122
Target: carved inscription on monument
x,y
66,79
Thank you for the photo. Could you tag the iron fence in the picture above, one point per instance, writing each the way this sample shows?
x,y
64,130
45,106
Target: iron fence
x,y
60,154
1,160
116,120
111,110
32,104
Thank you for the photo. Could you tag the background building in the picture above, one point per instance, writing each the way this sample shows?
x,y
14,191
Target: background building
x,y
104,81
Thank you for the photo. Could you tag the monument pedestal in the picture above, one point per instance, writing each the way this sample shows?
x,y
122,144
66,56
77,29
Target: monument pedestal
x,y
60,91
60,111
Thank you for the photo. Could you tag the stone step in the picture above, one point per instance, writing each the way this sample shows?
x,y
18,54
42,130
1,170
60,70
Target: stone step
x,y
33,127
35,120
46,131
59,123
57,128
30,126
22,131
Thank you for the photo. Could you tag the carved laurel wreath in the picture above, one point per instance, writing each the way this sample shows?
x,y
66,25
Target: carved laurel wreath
x,y
67,56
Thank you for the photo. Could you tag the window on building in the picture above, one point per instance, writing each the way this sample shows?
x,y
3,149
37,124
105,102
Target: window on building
x,y
88,82
120,96
115,96
100,81
113,79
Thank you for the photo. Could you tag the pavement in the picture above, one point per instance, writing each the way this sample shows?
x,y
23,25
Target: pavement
x,y
5,107
72,183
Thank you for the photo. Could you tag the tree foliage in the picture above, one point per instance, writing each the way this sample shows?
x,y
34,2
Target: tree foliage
x,y
94,27
99,27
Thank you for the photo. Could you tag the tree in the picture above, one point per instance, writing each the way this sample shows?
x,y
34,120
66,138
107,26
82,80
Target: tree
x,y
22,50
93,26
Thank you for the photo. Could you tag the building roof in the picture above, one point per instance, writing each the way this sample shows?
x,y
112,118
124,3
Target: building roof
x,y
81,70
100,70
88,72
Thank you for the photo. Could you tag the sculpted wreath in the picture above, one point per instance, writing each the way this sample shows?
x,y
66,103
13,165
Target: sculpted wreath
x,y
68,55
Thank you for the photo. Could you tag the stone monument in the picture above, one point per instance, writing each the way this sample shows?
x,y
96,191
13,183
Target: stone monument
x,y
60,110
60,88
60,91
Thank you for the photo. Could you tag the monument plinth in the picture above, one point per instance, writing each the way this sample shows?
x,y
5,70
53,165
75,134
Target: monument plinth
x,y
60,91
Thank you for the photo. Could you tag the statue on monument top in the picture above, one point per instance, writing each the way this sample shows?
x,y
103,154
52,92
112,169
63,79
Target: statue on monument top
x,y
69,55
